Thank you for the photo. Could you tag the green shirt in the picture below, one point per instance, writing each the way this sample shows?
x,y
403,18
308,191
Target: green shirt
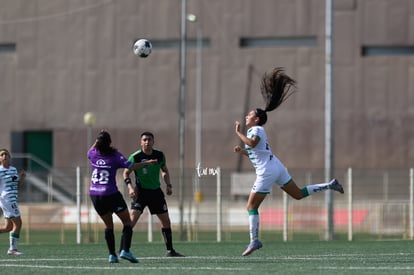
x,y
148,177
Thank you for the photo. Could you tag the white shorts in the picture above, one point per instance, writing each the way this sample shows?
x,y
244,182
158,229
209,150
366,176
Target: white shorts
x,y
275,172
10,209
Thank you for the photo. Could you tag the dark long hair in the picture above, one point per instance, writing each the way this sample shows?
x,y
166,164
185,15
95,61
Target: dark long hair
x,y
103,143
275,88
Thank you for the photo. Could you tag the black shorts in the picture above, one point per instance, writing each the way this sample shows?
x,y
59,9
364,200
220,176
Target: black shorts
x,y
113,203
154,199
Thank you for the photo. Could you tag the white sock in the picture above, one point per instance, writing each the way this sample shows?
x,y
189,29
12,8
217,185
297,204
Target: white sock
x,y
320,187
14,240
254,227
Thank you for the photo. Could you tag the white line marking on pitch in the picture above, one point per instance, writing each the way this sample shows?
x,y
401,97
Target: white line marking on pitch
x,y
369,268
117,267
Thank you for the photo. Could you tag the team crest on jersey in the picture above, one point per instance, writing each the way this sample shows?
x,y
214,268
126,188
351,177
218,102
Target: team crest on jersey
x,y
101,163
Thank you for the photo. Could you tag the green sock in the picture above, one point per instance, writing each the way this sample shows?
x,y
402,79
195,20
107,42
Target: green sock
x,y
253,212
305,192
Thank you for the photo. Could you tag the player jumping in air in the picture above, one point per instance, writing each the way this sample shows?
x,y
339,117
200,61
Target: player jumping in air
x,y
275,88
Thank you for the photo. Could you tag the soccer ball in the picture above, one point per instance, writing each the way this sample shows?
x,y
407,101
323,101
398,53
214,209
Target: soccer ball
x,y
142,48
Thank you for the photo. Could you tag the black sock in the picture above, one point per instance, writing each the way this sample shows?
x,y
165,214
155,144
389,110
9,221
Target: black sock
x,y
167,234
110,240
126,238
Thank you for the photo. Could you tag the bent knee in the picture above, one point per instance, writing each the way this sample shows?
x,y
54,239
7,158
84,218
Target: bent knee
x,y
298,197
250,207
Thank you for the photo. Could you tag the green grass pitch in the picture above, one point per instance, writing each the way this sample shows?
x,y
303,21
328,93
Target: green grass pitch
x,y
276,257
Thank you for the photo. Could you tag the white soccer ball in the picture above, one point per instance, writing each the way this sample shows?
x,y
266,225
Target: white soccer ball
x,y
142,48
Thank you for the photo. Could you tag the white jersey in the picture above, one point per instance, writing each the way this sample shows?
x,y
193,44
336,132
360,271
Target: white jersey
x,y
9,189
261,154
269,169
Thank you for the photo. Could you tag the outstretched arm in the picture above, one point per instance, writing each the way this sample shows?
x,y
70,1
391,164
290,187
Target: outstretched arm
x,y
142,164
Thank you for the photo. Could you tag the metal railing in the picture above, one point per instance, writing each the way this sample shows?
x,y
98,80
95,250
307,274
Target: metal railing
x,y
45,181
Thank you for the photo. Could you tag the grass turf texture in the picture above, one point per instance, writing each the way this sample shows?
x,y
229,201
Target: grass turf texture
x,y
276,257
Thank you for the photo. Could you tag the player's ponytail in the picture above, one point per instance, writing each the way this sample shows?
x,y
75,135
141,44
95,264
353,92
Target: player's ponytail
x,y
261,114
103,143
276,88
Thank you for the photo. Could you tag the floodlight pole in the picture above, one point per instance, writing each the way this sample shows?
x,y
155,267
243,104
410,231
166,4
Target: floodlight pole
x,y
199,64
199,93
198,122
89,119
182,113
329,110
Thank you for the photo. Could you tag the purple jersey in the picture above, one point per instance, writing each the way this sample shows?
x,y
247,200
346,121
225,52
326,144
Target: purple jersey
x,y
103,181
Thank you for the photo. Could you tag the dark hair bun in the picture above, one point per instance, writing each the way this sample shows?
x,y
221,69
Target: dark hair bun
x,y
104,138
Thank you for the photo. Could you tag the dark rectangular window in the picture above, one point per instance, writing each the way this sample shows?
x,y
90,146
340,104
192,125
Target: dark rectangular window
x,y
387,50
7,47
269,42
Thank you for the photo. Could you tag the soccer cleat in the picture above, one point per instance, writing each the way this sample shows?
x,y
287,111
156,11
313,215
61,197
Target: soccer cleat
x,y
252,247
14,252
173,253
128,256
113,259
335,185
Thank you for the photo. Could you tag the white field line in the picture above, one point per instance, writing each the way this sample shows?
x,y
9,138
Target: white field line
x,y
117,267
321,257
22,262
379,268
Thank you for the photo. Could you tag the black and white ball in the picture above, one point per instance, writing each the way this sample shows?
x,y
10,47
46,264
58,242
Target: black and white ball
x,y
142,48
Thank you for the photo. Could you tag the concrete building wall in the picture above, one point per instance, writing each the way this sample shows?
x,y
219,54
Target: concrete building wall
x,y
75,56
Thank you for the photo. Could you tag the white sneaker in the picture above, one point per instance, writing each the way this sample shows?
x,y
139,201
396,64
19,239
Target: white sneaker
x,y
252,247
336,186
14,252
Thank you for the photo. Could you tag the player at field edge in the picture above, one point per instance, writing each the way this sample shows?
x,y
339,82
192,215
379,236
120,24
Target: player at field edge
x,y
147,191
105,196
275,88
10,182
